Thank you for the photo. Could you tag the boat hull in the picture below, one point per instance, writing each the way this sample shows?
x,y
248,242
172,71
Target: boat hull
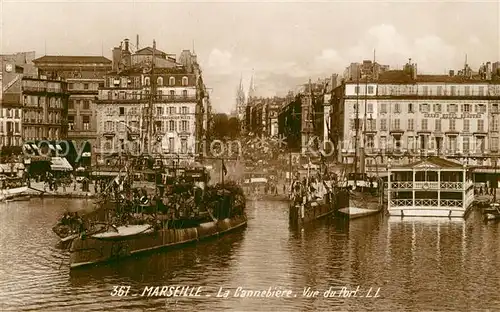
x,y
360,205
303,214
92,250
10,193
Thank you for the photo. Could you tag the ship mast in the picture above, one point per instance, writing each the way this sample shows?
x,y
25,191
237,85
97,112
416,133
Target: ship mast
x,y
356,124
149,111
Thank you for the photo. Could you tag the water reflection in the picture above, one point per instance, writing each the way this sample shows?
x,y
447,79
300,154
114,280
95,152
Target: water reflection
x,y
419,264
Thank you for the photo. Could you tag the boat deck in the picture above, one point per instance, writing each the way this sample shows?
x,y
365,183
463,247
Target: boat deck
x,y
124,231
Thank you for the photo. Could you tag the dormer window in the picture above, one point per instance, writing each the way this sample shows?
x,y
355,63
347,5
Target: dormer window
x,y
171,81
185,81
159,81
146,81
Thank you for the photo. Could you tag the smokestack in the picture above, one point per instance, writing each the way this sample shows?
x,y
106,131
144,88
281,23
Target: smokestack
x,y
137,42
126,45
452,73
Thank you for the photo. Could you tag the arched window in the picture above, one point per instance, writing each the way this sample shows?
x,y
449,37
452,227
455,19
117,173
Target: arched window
x,y
159,81
171,81
185,81
146,81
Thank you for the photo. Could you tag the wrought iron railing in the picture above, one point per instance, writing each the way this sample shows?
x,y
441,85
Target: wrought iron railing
x,y
452,185
451,202
426,202
433,185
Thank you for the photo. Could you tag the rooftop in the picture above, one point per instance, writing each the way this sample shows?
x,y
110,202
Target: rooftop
x,y
158,71
149,51
402,77
434,162
73,59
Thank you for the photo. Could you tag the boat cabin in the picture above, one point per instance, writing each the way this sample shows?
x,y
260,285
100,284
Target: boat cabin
x,y
433,186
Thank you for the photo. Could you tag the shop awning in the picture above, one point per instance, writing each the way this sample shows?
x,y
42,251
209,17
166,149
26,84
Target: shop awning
x,y
27,147
60,164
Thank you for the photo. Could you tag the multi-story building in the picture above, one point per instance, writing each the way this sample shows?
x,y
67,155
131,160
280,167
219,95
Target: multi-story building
x,y
13,67
361,70
84,75
403,115
180,106
44,109
301,120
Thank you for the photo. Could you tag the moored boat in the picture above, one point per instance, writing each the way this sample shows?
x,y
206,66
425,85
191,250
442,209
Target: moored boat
x,y
493,212
184,211
364,197
311,199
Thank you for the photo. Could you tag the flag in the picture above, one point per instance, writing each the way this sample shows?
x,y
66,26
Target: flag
x,y
224,169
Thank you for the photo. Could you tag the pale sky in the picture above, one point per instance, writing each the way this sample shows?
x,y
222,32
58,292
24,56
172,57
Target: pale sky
x,y
284,43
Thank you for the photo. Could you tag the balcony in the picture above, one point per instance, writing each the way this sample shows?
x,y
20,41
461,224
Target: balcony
x,y
34,89
396,130
145,99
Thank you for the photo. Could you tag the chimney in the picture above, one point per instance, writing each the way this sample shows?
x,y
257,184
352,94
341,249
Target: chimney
x,y
452,73
117,58
414,71
126,45
488,71
137,42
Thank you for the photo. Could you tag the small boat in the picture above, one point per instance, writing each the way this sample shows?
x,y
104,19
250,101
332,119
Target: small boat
x,y
491,216
493,212
492,208
18,198
125,231
355,213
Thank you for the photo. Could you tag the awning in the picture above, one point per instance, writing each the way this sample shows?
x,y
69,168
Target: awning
x,y
27,147
52,147
86,154
60,164
59,148
34,147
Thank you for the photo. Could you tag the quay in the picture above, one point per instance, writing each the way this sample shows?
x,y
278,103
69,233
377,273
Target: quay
x,y
36,189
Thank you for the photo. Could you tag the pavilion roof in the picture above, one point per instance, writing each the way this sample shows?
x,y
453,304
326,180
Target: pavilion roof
x,y
433,162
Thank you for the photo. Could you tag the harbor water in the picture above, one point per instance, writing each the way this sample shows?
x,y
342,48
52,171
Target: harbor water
x,y
417,264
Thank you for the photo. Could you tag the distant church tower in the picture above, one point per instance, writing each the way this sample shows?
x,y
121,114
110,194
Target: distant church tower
x,y
240,101
251,91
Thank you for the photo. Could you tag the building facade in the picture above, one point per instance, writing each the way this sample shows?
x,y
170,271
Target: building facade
x,y
302,118
403,115
44,109
178,120
13,68
84,75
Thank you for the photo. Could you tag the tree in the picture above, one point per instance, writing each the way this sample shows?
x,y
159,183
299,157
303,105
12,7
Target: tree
x,y
234,127
223,127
